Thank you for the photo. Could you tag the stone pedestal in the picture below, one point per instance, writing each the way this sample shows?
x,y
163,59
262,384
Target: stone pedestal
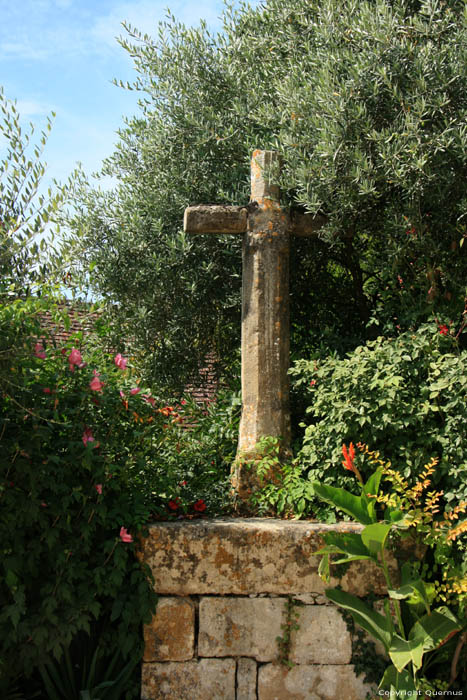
x,y
224,586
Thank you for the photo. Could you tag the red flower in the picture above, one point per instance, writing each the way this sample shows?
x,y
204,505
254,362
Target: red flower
x,y
313,382
125,535
39,351
173,504
199,506
349,455
443,329
89,437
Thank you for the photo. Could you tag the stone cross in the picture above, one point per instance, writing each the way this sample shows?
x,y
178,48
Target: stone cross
x,y
266,229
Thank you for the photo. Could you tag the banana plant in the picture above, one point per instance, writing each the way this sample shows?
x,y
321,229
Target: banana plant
x,y
423,628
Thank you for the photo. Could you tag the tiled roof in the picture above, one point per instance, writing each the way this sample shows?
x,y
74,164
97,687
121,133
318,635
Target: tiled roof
x,y
83,320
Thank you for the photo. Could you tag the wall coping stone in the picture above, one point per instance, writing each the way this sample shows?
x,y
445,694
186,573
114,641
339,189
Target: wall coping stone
x,y
245,556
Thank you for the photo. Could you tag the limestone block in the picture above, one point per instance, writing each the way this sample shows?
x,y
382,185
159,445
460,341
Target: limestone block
x,y
322,637
208,679
247,555
313,682
240,627
171,634
246,679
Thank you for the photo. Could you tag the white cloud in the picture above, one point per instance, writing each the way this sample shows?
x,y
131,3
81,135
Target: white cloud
x,y
30,108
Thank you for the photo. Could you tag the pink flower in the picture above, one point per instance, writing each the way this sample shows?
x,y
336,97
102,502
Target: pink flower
x,y
120,361
74,358
134,391
88,436
39,351
125,536
46,390
95,384
98,488
149,399
313,382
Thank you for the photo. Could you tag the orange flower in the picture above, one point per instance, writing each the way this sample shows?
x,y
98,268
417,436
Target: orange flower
x,y
349,456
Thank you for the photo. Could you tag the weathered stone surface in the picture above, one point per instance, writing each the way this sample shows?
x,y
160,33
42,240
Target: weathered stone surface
x,y
208,679
240,627
171,634
244,556
215,219
314,682
246,679
322,637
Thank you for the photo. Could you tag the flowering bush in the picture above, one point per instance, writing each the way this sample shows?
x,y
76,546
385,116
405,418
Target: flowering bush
x,y
72,430
405,395
188,474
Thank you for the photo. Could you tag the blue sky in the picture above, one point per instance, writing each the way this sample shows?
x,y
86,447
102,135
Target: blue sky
x,y
61,56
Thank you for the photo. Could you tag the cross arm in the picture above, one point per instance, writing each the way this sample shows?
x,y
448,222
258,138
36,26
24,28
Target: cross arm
x,y
216,218
306,225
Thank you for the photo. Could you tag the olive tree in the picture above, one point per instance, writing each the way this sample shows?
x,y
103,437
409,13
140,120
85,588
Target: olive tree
x,y
366,102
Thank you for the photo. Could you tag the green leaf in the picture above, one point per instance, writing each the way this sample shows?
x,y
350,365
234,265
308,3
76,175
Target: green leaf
x,y
372,485
345,501
348,543
436,628
323,568
414,592
404,651
374,536
373,622
398,682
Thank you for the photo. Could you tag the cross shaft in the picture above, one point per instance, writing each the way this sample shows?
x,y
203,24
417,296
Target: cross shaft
x,y
266,230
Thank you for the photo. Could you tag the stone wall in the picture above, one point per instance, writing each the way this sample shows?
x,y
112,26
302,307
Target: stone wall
x,y
224,586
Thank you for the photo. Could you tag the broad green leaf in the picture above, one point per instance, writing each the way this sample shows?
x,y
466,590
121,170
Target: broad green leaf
x,y
372,485
346,542
373,622
413,592
345,501
404,651
436,628
374,536
350,544
371,488
323,568
398,682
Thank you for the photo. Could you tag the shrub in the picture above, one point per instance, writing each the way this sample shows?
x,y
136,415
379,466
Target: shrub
x,y
69,521
189,471
423,628
404,396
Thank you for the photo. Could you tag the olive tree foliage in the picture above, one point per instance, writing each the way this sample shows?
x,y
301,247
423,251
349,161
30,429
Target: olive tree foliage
x,y
365,100
28,255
